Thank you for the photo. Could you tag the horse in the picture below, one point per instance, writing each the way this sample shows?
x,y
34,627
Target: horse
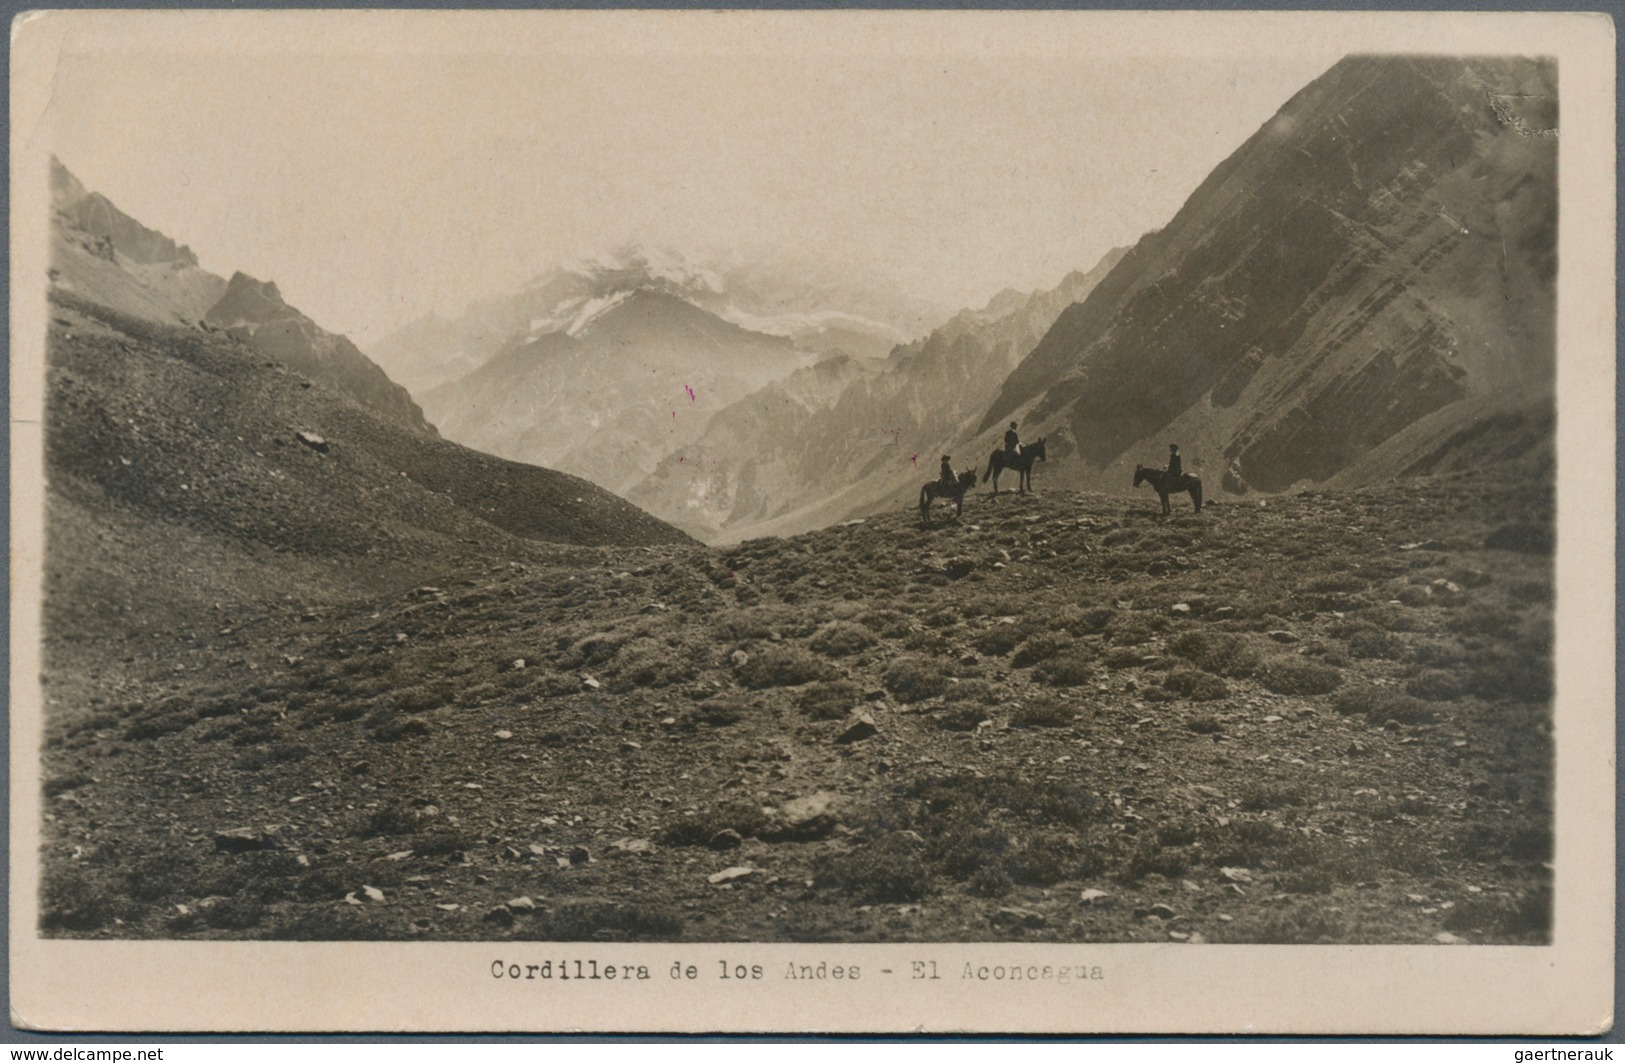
x,y
1022,463
1161,483
956,491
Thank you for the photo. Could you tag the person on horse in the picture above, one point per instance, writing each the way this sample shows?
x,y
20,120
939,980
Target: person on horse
x,y
1012,443
947,477
1176,468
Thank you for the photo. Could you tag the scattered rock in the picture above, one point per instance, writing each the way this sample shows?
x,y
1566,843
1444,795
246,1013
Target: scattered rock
x,y
1092,896
858,726
519,664
313,441
373,893
1272,718
590,683
959,567
1444,937
1180,608
807,817
504,735
726,839
580,855
1283,635
732,874
500,915
630,846
739,658
1236,874
521,904
242,840
1019,917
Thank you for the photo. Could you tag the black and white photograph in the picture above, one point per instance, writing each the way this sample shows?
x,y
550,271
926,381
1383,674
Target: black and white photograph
x,y
686,499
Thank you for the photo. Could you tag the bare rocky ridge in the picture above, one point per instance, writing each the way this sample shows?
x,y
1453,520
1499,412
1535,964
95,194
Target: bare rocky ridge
x,y
102,255
1380,250
253,311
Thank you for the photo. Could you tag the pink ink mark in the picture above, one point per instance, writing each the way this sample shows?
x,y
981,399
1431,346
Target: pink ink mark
x,y
913,459
690,392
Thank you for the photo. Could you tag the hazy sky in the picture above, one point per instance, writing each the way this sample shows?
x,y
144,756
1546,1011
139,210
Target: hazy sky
x,y
391,168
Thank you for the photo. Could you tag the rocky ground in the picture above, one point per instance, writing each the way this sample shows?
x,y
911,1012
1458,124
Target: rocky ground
x,y
1313,718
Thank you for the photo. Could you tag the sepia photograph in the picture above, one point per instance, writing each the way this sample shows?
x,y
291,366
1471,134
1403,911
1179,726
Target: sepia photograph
x,y
822,504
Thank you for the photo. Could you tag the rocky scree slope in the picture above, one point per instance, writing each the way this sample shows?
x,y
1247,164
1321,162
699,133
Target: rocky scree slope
x,y
187,473
1382,249
1324,718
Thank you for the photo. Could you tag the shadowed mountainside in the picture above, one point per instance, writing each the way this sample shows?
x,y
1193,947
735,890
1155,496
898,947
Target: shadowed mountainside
x,y
184,469
1382,249
842,438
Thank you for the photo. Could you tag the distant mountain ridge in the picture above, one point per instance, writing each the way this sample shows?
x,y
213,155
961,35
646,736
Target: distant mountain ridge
x,y
841,437
1383,248
818,308
636,377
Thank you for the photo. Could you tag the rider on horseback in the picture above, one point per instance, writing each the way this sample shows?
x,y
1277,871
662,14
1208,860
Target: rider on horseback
x,y
1176,469
947,477
1012,443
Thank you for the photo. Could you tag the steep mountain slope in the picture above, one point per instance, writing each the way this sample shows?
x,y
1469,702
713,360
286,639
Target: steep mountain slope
x,y
820,307
627,380
186,473
103,255
254,312
1381,249
801,454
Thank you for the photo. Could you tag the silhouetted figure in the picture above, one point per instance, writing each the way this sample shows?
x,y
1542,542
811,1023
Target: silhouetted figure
x,y
946,478
1176,469
1012,442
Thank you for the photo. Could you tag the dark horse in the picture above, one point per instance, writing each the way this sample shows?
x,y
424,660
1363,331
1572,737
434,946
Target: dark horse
x,y
956,491
1160,482
1022,463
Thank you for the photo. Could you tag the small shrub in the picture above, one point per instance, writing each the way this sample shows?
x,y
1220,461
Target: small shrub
x,y
888,870
1261,797
651,663
962,718
1205,724
1150,857
1071,669
1000,639
1044,712
1197,686
281,753
1381,704
1295,675
829,700
1434,685
915,679
842,638
391,820
989,882
1041,648
973,690
1218,652
782,666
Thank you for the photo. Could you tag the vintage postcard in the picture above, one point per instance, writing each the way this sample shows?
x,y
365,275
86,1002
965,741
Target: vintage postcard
x,y
812,522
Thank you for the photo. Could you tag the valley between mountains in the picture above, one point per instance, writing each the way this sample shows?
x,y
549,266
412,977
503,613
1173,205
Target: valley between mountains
x,y
619,620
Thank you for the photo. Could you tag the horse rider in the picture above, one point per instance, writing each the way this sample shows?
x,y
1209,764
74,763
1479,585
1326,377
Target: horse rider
x,y
947,476
1176,468
1012,442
